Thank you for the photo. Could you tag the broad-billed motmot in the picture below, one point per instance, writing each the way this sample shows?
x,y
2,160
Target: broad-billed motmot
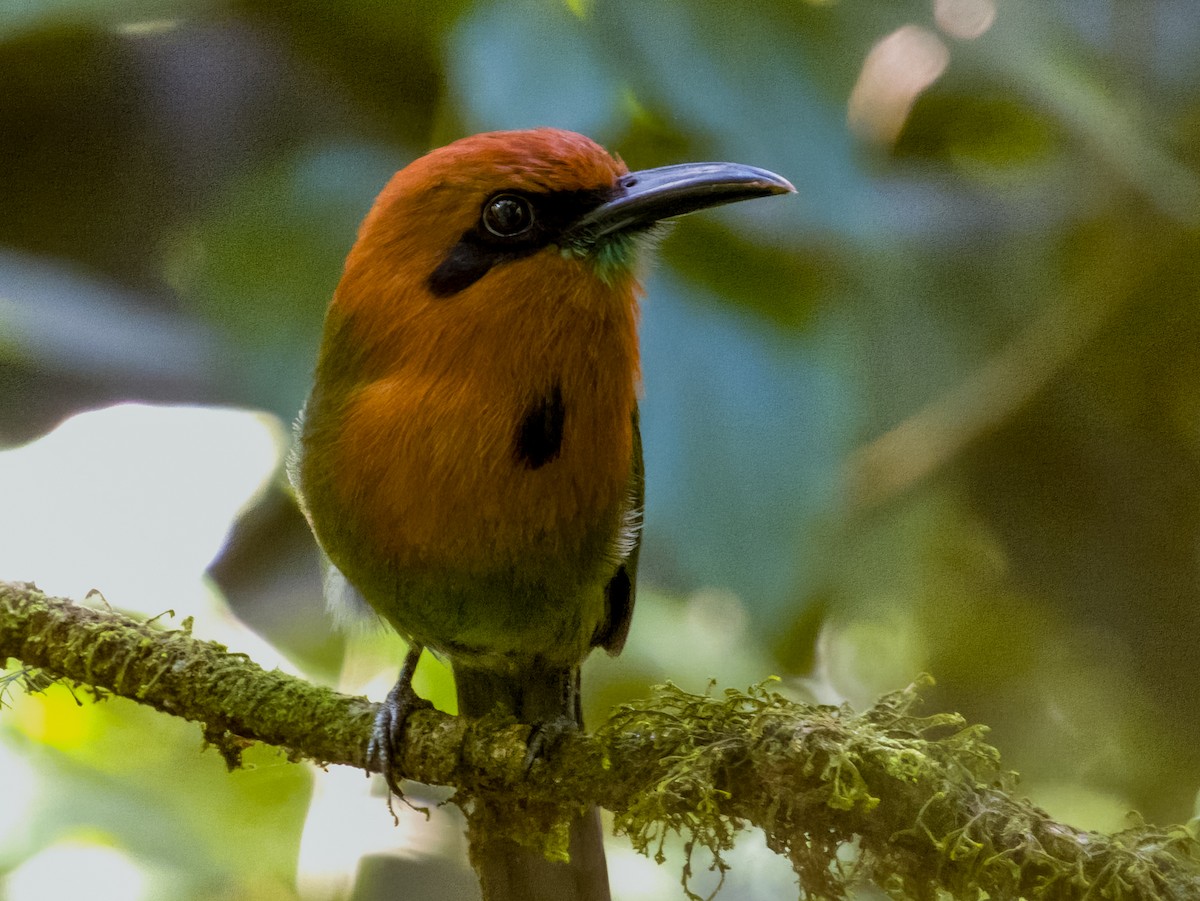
x,y
469,457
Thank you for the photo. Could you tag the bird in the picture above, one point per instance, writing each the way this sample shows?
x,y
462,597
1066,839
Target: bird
x,y
469,457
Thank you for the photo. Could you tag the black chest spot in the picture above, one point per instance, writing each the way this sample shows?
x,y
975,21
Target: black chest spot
x,y
540,431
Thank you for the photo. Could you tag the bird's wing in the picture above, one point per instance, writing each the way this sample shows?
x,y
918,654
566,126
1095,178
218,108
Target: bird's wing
x,y
346,604
622,587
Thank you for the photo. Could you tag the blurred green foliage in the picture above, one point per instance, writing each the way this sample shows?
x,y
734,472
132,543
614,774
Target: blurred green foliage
x,y
940,412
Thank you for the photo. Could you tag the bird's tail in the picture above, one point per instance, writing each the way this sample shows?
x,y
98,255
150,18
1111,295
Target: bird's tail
x,y
509,871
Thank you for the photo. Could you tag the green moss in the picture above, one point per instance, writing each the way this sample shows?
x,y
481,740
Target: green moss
x,y
916,804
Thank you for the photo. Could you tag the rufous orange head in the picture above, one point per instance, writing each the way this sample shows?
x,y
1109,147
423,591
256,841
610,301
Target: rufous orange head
x,y
446,224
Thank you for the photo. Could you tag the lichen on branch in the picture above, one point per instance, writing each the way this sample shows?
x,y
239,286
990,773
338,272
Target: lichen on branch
x,y
917,804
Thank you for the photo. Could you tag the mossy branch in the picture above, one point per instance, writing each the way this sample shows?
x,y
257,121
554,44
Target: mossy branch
x,y
922,799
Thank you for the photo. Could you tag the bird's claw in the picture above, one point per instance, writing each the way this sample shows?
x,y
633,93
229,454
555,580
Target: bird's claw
x,y
545,737
387,737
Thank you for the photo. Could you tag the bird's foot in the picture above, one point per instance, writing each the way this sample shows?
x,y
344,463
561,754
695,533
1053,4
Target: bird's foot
x,y
545,737
387,738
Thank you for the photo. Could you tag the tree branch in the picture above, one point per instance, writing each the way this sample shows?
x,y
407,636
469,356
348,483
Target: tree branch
x,y
922,798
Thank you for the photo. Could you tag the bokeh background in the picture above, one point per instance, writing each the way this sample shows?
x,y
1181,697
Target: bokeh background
x,y
939,412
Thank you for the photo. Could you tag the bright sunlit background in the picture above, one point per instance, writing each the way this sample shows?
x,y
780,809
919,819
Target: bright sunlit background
x,y
939,412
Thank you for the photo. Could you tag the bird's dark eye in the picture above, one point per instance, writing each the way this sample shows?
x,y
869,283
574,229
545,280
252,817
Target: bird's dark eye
x,y
508,215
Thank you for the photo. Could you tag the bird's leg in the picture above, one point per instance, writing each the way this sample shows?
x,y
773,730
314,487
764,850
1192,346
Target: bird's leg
x,y
388,735
546,733
543,696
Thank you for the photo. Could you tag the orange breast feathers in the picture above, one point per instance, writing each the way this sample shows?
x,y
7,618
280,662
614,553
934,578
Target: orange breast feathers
x,y
425,446
429,449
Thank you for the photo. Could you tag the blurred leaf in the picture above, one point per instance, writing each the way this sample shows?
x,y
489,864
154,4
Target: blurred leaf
x,y
386,55
743,428
138,760
795,645
67,322
17,16
783,286
262,267
747,88
987,130
1057,75
532,63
